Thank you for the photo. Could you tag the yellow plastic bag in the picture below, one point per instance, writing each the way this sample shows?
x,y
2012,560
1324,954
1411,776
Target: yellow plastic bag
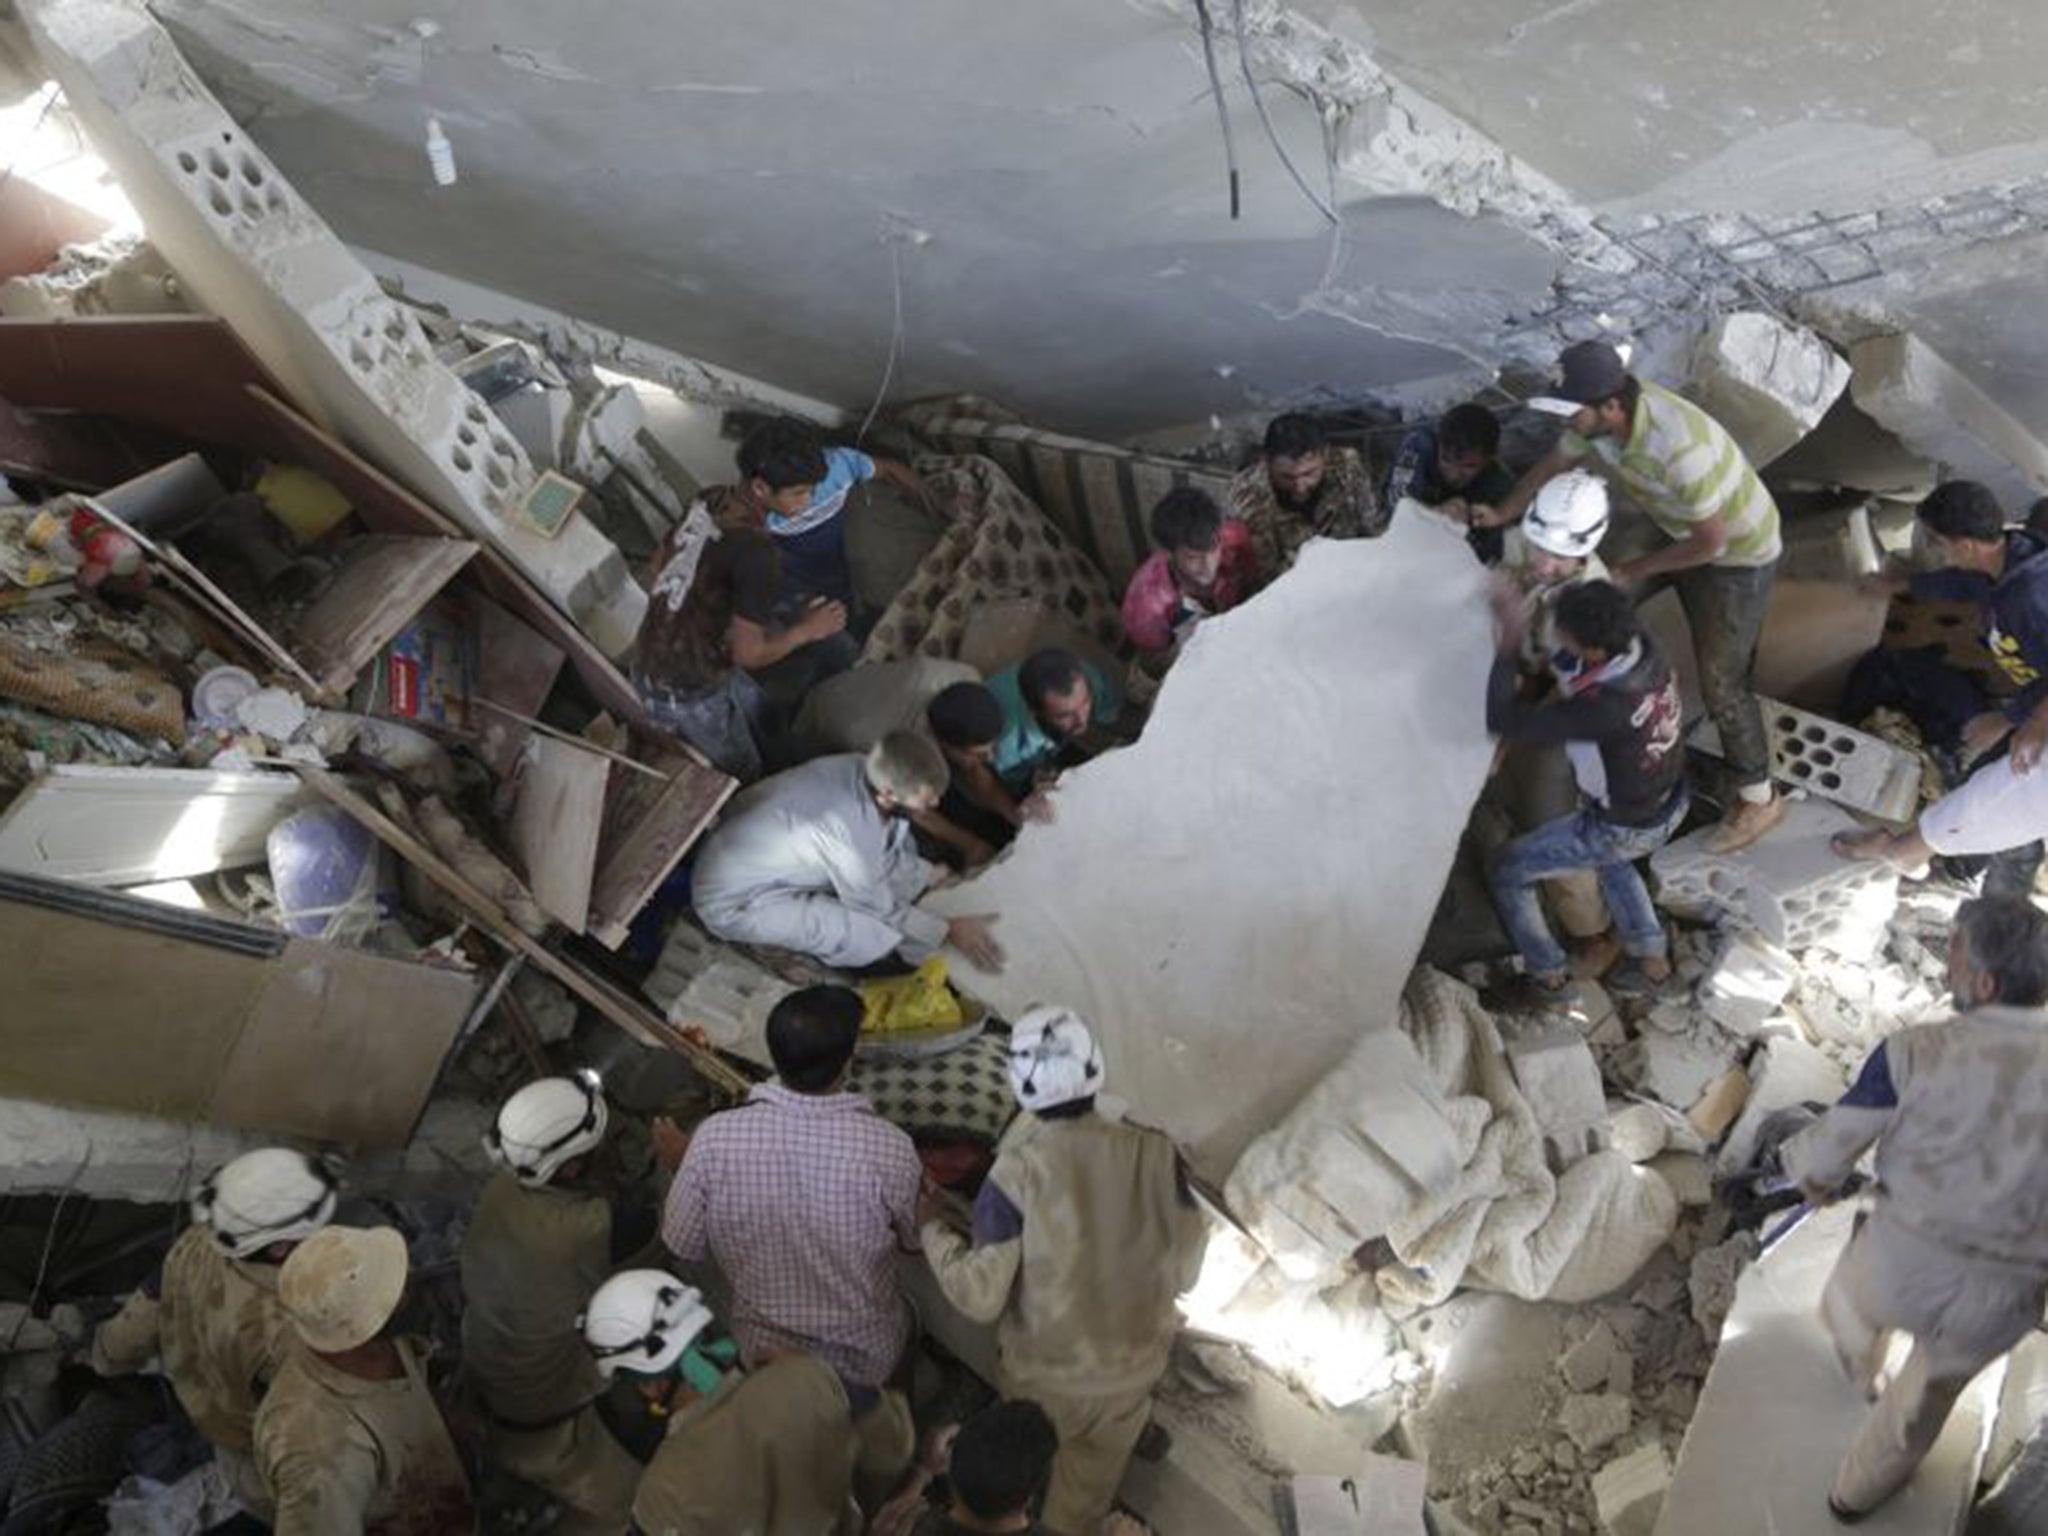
x,y
921,1000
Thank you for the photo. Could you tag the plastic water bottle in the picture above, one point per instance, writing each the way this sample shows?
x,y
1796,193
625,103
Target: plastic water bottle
x,y
440,154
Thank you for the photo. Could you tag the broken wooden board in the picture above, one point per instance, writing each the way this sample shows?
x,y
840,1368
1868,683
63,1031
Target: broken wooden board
x,y
649,826
384,581
557,819
234,1024
516,667
130,826
622,1008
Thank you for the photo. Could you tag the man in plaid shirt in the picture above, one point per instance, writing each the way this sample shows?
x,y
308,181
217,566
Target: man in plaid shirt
x,y
802,1197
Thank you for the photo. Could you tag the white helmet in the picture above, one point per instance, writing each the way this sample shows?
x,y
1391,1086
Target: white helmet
x,y
271,1195
1569,517
1053,1059
547,1123
641,1320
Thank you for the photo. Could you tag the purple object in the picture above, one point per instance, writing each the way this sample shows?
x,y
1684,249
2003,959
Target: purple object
x,y
330,874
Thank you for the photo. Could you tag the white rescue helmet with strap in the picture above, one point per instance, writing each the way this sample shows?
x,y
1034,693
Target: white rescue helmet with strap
x,y
547,1123
641,1320
1569,516
271,1195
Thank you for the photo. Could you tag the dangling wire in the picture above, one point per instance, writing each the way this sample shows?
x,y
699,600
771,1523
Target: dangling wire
x,y
1244,61
1216,90
894,241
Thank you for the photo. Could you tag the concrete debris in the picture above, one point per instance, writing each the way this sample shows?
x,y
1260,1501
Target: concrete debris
x,y
1689,1176
1629,1491
1710,1283
1588,1363
1676,1057
1946,418
1555,1069
114,275
1593,1421
1638,1131
1788,1072
1767,382
1749,978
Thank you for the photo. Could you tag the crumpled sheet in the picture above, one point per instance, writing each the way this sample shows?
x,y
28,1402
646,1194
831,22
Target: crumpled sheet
x,y
1507,1223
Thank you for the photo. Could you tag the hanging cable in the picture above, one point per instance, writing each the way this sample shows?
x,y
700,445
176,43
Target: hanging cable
x,y
1216,90
892,238
1244,61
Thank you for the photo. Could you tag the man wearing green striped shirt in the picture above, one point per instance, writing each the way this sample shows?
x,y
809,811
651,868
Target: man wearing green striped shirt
x,y
1683,469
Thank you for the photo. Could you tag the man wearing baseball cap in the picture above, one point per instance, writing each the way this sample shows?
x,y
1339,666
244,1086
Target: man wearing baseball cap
x,y
1084,1234
1684,470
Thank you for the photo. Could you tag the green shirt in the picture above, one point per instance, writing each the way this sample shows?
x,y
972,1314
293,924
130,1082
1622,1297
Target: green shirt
x,y
1683,467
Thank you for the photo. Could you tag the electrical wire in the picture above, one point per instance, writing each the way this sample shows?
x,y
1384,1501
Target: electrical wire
x,y
1244,63
894,240
1222,108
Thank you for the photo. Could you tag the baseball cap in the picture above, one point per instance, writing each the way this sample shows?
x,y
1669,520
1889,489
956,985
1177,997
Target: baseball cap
x,y
1586,371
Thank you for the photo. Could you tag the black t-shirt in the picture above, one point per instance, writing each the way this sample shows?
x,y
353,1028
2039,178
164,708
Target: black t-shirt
x,y
1635,719
738,575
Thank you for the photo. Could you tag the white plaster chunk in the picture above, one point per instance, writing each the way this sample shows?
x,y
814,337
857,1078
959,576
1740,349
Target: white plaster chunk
x,y
1777,1413
1594,1420
117,274
1767,382
1264,912
1942,415
1637,1131
1788,1072
250,250
1588,1363
1748,981
1629,1492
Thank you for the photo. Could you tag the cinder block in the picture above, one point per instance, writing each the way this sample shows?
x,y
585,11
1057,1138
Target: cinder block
x,y
1914,392
1748,981
1628,1494
1767,382
1835,762
1790,886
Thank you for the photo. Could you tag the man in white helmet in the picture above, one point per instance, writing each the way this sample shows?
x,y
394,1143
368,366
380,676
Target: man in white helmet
x,y
1552,549
212,1316
769,1450
1084,1235
349,1439
539,1244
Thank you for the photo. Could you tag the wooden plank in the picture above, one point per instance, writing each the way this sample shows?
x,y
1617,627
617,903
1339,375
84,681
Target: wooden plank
x,y
516,668
128,826
74,452
384,581
557,818
625,1010
649,826
342,1044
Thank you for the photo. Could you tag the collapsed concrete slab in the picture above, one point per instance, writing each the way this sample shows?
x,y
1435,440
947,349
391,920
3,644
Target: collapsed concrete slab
x,y
1767,382
1777,1413
247,247
1939,413
1223,901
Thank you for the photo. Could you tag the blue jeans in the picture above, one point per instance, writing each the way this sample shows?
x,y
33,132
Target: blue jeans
x,y
1583,840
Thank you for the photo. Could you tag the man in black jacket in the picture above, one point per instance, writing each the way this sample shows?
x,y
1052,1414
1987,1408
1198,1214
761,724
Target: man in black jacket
x,y
2003,805
1616,711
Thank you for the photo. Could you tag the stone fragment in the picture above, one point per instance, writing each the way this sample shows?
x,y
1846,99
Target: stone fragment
x,y
1767,382
1586,1364
1628,1493
1945,417
1555,1069
1595,1420
1787,1072
1749,979
1710,1283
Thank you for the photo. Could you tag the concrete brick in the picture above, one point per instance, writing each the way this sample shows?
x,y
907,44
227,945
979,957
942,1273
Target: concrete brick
x,y
1629,1492
249,249
1790,886
1747,982
1767,382
1836,762
1938,413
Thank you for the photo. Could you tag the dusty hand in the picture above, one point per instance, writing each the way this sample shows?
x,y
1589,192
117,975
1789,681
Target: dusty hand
x,y
1512,609
1037,806
2029,741
1983,732
976,943
671,1142
822,620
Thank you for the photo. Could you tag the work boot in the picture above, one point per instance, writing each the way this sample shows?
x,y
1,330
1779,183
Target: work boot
x,y
1746,821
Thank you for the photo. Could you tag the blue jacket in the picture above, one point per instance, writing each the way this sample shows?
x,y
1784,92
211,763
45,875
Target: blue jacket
x,y
2015,614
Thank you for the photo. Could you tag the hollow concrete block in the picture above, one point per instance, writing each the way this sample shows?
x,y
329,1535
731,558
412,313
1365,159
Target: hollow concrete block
x,y
1836,762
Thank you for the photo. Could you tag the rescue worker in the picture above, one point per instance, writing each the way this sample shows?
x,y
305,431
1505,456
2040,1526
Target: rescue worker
x,y
212,1315
822,860
349,1439
1084,1234
540,1243
1954,1252
768,1451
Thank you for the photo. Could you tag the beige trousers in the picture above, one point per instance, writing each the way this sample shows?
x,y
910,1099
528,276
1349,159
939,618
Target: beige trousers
x,y
579,1465
1962,1314
887,1441
1097,1435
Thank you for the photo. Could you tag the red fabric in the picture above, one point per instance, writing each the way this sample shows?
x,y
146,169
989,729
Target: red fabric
x,y
1153,601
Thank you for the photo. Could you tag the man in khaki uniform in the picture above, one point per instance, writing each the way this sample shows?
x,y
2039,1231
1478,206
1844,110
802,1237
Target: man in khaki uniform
x,y
768,1452
539,1244
212,1316
1955,1250
1084,1236
349,1439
